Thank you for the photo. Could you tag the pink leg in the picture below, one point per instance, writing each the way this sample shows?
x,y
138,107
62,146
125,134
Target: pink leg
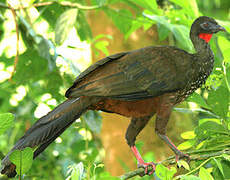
x,y
160,128
178,153
141,162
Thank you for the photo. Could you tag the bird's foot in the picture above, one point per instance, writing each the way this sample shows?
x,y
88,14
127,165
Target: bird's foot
x,y
178,153
141,162
181,155
146,167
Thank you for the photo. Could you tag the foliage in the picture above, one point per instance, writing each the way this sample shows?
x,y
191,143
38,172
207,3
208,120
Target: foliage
x,y
165,173
36,69
22,159
6,121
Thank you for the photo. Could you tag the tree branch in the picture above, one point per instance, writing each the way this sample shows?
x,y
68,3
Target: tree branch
x,y
194,156
17,43
64,3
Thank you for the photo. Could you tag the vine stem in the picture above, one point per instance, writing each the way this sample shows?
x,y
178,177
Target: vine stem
x,y
171,161
202,164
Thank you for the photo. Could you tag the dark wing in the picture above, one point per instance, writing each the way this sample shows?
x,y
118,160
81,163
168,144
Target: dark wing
x,y
92,68
139,74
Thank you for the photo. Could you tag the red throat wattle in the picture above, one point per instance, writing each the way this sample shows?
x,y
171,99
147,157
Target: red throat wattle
x,y
205,36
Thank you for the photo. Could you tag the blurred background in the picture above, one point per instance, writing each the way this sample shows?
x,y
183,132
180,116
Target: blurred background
x,y
44,45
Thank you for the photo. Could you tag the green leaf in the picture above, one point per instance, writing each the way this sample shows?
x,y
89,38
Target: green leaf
x,y
151,5
220,139
164,27
41,44
201,121
225,48
164,173
102,46
190,177
23,160
218,163
51,13
64,24
198,99
208,128
182,163
83,28
188,135
53,83
102,36
122,19
204,174
219,101
44,47
200,145
30,68
6,121
136,24
226,166
186,145
189,7
162,20
226,157
93,120
181,33
162,32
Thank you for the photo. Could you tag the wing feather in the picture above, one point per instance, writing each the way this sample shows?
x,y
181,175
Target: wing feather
x,y
134,75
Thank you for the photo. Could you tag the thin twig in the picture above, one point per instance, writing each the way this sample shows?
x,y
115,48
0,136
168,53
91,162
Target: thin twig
x,y
75,5
171,161
17,43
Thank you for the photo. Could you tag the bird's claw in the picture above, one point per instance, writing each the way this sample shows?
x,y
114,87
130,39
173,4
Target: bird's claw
x,y
146,165
181,155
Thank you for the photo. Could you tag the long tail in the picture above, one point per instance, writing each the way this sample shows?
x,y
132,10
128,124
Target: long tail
x,y
44,131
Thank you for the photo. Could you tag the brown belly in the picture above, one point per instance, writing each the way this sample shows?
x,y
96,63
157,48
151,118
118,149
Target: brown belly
x,y
138,108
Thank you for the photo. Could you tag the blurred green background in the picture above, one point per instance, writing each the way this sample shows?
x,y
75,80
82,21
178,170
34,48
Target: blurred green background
x,y
44,45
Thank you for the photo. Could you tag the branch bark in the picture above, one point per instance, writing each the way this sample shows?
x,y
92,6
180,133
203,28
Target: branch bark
x,y
64,3
194,156
17,43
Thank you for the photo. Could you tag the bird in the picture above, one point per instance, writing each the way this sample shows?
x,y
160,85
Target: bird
x,y
137,84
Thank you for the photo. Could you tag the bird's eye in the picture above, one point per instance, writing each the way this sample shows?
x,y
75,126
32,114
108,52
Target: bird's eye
x,y
205,26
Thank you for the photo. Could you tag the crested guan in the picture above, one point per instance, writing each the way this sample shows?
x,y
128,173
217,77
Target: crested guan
x,y
136,84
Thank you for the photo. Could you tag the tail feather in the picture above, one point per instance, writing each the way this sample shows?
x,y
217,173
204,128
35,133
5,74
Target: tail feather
x,y
44,131
43,146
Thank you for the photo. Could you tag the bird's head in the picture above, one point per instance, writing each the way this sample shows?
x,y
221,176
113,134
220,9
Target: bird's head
x,y
204,27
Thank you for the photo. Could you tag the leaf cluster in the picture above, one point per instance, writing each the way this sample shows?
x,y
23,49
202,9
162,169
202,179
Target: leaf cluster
x,y
36,69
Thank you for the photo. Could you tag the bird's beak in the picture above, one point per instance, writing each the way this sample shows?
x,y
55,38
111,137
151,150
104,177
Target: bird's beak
x,y
220,28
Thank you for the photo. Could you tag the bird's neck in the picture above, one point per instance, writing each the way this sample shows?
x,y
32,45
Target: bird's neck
x,y
204,56
200,43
